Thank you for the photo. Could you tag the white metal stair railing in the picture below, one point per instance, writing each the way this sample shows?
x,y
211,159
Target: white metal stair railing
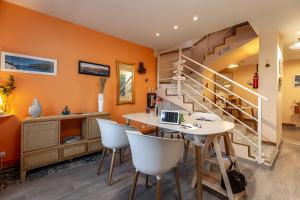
x,y
196,101
183,88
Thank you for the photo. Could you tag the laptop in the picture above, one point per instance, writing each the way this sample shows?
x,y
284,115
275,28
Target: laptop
x,y
170,117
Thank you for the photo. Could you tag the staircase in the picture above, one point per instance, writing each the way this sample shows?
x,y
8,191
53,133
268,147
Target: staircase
x,y
215,45
240,35
185,88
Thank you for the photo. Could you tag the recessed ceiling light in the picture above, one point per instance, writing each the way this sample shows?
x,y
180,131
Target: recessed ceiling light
x,y
296,45
195,18
175,27
233,66
157,34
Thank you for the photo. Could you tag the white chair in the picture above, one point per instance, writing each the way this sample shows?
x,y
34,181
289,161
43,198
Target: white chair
x,y
113,136
154,156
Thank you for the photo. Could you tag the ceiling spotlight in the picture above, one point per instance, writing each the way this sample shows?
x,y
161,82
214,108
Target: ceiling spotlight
x,y
175,27
195,18
157,34
227,85
296,45
233,66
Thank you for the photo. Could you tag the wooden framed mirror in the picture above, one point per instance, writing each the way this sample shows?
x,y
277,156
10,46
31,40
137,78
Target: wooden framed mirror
x,y
125,82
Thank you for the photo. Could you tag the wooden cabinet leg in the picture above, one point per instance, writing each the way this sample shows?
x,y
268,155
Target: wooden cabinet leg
x,y
23,176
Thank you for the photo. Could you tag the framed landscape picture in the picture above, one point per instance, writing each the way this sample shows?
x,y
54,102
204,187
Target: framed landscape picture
x,y
13,62
94,69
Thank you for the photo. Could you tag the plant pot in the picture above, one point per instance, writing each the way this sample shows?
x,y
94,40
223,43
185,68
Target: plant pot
x,y
100,102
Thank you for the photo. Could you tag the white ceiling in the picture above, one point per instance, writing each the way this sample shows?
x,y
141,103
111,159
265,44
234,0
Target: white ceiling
x,y
139,20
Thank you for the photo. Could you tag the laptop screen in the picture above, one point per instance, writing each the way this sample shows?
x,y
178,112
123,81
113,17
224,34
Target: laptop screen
x,y
169,117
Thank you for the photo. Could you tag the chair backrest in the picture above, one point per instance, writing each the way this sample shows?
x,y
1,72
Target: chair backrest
x,y
154,155
113,135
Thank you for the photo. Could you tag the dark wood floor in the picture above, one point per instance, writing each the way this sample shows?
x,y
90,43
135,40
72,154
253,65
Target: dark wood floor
x,y
282,182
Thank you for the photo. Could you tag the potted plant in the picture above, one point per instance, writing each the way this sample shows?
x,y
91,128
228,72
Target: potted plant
x,y
102,82
6,90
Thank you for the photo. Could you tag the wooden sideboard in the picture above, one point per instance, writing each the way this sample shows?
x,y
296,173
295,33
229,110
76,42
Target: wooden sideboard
x,y
41,140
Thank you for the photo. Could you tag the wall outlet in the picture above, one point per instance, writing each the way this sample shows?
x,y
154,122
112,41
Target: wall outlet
x,y
2,154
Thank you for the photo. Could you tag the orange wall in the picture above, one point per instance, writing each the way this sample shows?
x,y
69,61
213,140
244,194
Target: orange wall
x,y
27,32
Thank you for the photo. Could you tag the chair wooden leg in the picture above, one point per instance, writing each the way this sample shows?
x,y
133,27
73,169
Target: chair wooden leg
x,y
135,178
187,146
111,167
123,153
171,135
120,155
101,160
147,181
182,135
158,187
199,171
177,182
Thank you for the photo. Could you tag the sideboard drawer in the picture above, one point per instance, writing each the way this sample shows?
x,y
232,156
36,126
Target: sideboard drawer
x,y
41,158
73,150
40,135
94,145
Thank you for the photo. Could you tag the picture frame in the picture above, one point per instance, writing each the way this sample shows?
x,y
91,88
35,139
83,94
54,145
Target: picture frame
x,y
297,80
151,100
94,69
14,62
125,82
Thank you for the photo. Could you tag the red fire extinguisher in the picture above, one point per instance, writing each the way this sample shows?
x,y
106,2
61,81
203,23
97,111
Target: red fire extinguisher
x,y
255,79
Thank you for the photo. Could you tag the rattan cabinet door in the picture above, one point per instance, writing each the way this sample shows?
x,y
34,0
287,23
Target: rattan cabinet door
x,y
93,127
40,135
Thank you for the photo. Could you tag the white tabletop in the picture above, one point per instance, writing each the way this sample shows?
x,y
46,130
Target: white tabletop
x,y
207,127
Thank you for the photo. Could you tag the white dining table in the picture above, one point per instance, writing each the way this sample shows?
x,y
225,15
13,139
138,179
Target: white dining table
x,y
212,130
